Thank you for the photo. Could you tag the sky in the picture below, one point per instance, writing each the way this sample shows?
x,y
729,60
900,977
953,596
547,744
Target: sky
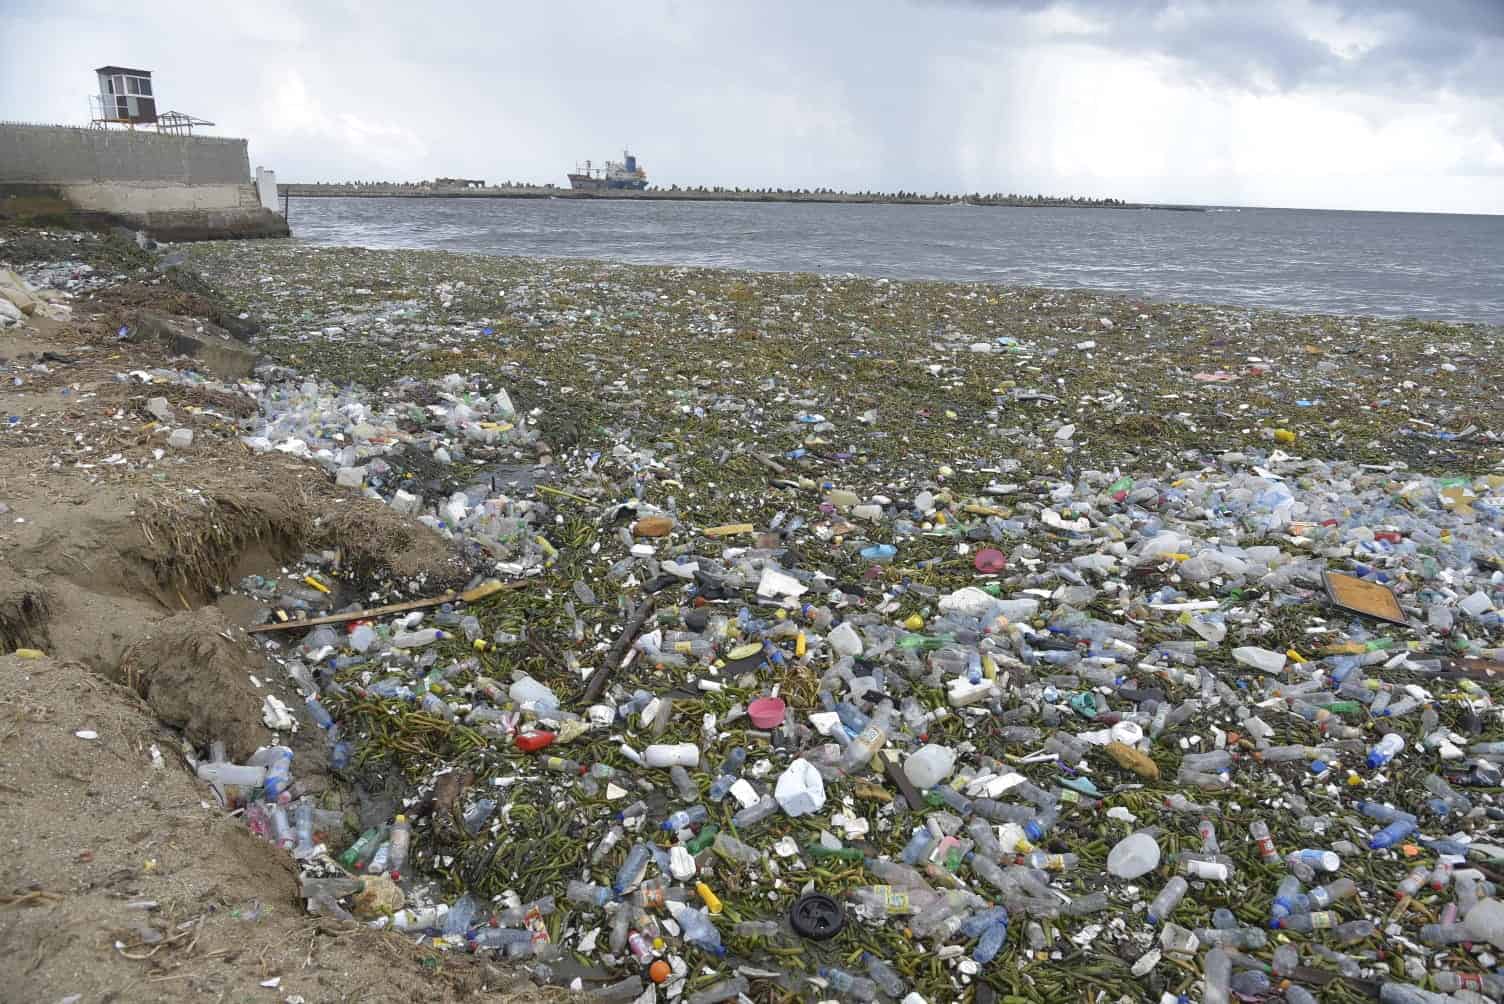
x,y
1340,104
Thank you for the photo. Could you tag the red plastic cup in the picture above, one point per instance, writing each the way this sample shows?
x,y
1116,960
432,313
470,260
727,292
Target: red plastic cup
x,y
766,712
990,561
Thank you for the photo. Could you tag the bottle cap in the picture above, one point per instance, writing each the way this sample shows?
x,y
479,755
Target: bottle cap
x,y
817,916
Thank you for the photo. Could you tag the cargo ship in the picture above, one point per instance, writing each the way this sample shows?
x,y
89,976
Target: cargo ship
x,y
616,174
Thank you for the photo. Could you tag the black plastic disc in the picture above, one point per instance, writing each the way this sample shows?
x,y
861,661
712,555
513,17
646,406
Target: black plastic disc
x,y
816,916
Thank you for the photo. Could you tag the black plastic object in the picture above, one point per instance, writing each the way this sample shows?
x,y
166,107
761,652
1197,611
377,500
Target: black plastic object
x,y
816,916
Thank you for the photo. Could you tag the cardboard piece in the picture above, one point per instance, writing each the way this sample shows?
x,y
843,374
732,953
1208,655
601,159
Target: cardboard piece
x,y
1360,596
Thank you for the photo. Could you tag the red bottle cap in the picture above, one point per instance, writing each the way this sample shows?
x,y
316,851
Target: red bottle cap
x,y
531,742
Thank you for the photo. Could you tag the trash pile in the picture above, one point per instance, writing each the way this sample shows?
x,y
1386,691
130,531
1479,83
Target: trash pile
x,y
20,299
432,450
771,690
1143,736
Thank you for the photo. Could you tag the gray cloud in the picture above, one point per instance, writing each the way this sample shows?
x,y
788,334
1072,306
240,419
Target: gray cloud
x,y
1457,45
1155,100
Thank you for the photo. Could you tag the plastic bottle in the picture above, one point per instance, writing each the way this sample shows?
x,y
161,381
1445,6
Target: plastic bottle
x,y
1354,930
457,921
733,849
989,944
418,639
884,975
723,990
1307,922
587,893
1135,855
399,841
632,869
358,854
847,983
984,840
685,818
919,843
303,828
1489,985
684,785
1322,897
1386,749
1318,859
1217,970
1245,938
1259,831
247,776
1443,934
1287,898
731,769
756,929
697,929
669,754
1168,899
1404,993
1413,881
752,815
861,749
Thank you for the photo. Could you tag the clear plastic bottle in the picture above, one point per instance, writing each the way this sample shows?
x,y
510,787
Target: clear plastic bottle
x,y
697,929
1288,898
733,849
1413,882
723,990
685,818
587,893
457,920
1385,750
632,869
1391,834
418,639
1354,931
753,815
756,929
1168,899
989,944
1244,938
1318,920
1322,897
884,975
848,983
984,840
1487,984
920,841
684,785
1217,970
399,841
872,738
1259,831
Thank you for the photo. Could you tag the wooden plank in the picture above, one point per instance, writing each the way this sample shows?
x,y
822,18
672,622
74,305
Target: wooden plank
x,y
480,592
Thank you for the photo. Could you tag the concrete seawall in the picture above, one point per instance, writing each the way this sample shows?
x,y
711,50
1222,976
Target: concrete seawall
x,y
173,187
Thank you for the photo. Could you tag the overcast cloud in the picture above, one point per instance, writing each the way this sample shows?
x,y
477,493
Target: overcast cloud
x,y
1375,104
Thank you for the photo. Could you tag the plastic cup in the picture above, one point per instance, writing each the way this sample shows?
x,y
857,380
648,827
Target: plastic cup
x,y
766,712
990,561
